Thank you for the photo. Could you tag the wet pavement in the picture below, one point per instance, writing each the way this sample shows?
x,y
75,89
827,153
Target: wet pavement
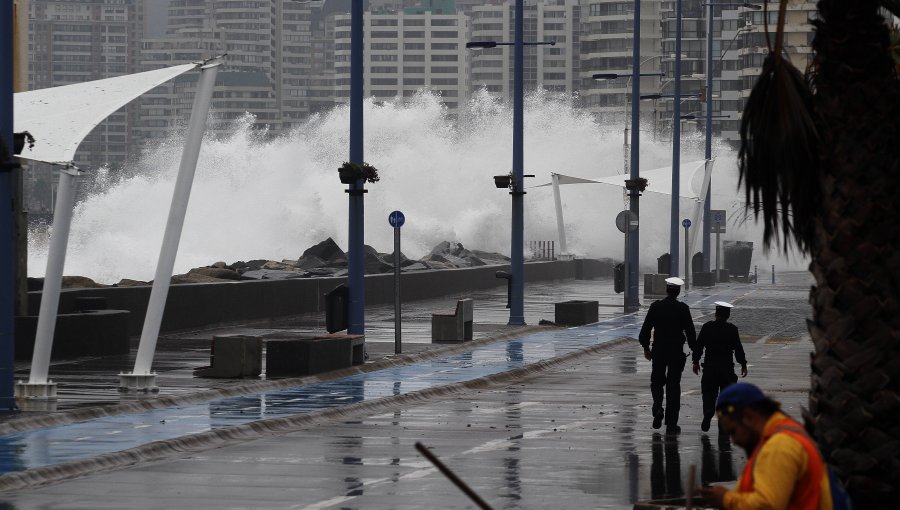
x,y
543,417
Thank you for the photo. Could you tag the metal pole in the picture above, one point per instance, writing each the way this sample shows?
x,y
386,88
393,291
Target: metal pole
x,y
708,141
716,279
396,290
174,225
687,259
633,255
517,262
676,148
7,214
356,234
773,274
56,259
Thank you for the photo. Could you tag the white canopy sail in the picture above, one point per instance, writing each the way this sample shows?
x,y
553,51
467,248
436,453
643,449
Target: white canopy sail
x,y
60,117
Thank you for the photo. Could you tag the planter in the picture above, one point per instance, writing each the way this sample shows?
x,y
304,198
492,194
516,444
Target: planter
x,y
348,176
576,313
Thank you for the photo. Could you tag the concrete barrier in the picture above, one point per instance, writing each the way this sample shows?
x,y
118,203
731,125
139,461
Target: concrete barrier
x,y
91,333
196,305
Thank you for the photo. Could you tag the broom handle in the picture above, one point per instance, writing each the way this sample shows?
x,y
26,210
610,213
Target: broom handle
x,y
452,476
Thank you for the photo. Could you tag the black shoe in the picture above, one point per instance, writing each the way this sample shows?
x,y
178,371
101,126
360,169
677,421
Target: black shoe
x,y
705,425
657,420
673,429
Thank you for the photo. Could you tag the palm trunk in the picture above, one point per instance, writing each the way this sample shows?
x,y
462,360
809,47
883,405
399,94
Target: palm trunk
x,y
854,398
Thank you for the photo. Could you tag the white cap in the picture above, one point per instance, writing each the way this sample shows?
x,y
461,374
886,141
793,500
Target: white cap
x,y
723,304
676,281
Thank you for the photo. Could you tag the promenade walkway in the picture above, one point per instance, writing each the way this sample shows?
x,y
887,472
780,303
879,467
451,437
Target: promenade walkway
x,y
532,418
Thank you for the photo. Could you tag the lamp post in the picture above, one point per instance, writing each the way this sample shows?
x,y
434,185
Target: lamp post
x,y
356,234
7,217
676,149
707,153
634,185
517,239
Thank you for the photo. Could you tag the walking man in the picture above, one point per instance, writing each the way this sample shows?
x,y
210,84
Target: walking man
x,y
720,339
671,323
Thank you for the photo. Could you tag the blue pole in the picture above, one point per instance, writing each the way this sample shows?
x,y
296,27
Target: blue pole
x,y
708,149
7,214
356,263
631,297
676,148
517,255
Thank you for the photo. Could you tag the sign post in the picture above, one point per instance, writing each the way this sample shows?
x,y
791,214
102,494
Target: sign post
x,y
396,219
686,223
718,227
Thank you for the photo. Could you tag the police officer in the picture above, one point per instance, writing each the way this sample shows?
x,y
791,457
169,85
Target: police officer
x,y
720,339
671,323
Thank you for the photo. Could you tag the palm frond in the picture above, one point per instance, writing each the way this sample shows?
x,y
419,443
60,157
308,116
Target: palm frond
x,y
780,146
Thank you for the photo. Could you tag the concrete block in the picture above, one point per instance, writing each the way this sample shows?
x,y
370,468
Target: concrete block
x,y
704,279
577,312
233,356
456,326
655,284
307,355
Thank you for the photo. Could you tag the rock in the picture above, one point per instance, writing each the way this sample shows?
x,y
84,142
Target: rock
x,y
454,255
326,253
80,282
415,266
125,282
220,265
491,258
274,274
375,262
215,272
195,278
278,266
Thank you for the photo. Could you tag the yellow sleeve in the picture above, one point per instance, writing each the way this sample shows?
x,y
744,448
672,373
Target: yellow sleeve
x,y
779,464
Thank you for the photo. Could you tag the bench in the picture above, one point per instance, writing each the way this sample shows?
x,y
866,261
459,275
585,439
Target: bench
x,y
233,356
307,355
453,327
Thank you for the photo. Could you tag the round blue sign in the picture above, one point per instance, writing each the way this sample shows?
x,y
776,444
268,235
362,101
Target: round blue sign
x,y
686,223
396,219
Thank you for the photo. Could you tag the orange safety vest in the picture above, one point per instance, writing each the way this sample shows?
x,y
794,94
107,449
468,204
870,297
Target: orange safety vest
x,y
807,492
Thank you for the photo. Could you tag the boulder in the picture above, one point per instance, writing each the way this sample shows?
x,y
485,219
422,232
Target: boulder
x,y
279,266
453,254
216,272
126,282
326,253
80,282
274,274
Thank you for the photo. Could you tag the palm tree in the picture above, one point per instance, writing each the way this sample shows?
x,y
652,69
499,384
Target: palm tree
x,y
820,163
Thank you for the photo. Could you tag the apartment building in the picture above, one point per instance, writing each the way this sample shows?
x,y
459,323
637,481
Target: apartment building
x,y
739,49
553,68
408,50
73,41
606,46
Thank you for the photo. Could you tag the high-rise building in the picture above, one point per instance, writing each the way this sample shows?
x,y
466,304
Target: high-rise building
x,y
553,68
73,41
416,48
606,46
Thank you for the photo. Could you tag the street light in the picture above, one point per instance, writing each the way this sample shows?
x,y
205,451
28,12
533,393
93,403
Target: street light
x,y
517,191
707,153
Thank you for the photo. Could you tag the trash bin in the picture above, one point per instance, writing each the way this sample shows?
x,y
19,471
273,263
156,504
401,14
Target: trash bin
x,y
337,301
738,255
619,278
664,264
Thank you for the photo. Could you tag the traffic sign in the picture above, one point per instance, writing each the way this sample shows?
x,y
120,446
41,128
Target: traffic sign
x,y
396,219
627,219
686,223
717,221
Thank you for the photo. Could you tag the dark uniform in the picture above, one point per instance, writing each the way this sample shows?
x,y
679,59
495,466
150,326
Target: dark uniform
x,y
719,339
671,323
